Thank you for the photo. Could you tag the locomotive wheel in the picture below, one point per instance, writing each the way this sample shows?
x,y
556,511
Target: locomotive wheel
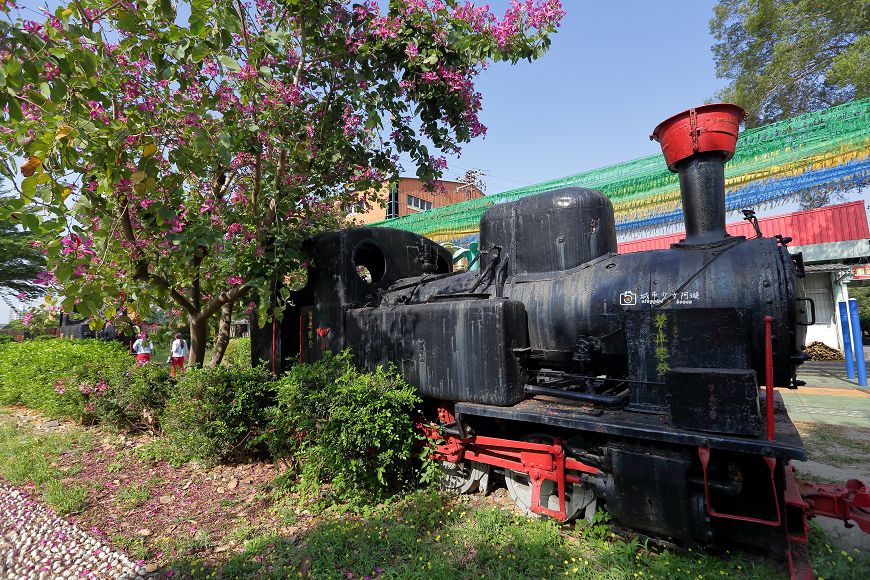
x,y
579,499
463,476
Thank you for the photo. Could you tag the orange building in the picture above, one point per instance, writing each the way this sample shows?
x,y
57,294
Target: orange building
x,y
410,197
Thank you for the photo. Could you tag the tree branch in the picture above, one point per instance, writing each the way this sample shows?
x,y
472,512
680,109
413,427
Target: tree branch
x,y
271,214
255,195
301,62
144,275
224,297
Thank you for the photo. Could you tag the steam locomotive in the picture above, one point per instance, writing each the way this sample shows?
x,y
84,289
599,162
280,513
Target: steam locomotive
x,y
588,377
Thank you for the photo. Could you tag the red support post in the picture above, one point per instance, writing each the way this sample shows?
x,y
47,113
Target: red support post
x,y
768,371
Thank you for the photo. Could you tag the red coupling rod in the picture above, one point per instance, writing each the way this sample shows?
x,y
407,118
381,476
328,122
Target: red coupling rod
x,y
768,368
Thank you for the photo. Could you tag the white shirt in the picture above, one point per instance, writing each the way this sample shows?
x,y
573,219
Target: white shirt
x,y
179,348
140,348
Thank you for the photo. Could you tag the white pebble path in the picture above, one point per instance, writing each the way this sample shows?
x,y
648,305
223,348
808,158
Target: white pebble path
x,y
37,544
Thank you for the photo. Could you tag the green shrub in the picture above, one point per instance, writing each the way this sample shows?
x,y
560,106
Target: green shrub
x,y
358,427
61,377
218,413
133,399
238,353
88,380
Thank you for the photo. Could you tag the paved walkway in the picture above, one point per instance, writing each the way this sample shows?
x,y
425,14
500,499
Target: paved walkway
x,y
830,399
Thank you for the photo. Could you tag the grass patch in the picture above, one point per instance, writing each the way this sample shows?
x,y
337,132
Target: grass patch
x,y
133,545
133,494
27,458
831,563
64,498
835,444
431,535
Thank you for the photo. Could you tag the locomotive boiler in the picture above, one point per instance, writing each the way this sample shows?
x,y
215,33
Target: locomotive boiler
x,y
590,378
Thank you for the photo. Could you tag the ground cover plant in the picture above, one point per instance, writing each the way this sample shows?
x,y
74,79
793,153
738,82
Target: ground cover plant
x,y
238,521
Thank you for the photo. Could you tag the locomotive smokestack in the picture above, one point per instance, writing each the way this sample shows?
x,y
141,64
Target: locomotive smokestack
x,y
696,144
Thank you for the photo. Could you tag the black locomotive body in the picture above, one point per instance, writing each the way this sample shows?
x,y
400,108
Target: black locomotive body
x,y
589,376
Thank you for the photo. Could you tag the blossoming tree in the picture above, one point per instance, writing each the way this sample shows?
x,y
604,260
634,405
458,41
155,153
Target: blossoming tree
x,y
178,153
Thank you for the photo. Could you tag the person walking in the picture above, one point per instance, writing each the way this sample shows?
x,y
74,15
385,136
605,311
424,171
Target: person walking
x,y
178,354
143,347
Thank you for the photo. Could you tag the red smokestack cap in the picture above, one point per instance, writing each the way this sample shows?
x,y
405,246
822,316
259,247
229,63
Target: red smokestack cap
x,y
706,128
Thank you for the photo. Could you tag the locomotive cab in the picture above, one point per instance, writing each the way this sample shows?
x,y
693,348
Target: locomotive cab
x,y
347,269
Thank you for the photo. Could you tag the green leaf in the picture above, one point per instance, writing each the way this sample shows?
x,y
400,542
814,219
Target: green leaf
x,y
166,8
28,186
230,63
30,221
166,213
226,38
12,67
199,52
15,110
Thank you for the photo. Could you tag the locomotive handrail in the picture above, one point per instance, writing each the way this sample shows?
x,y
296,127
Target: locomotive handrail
x,y
606,401
812,311
732,244
490,266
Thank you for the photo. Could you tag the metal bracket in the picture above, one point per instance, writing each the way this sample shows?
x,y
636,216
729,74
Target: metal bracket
x,y
704,454
538,460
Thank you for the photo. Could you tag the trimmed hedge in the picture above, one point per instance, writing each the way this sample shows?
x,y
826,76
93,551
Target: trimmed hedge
x,y
60,377
328,419
238,353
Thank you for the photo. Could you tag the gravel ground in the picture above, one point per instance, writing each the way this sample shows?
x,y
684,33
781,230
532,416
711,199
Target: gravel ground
x,y
36,544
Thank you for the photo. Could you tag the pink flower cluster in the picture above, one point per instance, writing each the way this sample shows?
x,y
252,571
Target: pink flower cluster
x,y
95,390
60,386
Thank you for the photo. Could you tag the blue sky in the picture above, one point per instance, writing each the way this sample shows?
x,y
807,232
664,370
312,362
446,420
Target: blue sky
x,y
614,71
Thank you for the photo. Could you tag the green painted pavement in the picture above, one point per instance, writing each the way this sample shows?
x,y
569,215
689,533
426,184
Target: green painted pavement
x,y
832,400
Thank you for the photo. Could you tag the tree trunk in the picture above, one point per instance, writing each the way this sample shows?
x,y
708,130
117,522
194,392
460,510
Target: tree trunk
x,y
223,337
198,337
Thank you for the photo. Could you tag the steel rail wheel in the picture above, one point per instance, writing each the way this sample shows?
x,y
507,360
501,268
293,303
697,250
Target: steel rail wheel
x,y
579,497
463,476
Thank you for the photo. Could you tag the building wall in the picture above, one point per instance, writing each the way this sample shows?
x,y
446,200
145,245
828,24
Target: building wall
x,y
411,186
818,287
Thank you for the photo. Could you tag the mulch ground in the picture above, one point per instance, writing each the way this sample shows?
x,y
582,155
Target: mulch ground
x,y
168,511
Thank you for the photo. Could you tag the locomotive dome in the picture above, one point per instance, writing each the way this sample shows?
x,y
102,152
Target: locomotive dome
x,y
552,231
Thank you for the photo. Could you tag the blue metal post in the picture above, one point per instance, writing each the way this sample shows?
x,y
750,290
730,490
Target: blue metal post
x,y
858,342
847,340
